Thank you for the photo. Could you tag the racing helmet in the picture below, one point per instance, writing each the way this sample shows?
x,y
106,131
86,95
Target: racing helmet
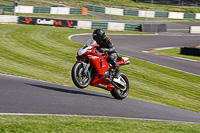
x,y
98,35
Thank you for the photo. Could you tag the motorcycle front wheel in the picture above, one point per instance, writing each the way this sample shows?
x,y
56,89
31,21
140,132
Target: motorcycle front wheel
x,y
80,79
120,92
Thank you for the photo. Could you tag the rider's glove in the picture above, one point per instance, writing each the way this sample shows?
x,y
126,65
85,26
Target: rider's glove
x,y
101,50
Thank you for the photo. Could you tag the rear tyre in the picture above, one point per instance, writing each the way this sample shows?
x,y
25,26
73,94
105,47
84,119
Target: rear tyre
x,y
122,91
80,79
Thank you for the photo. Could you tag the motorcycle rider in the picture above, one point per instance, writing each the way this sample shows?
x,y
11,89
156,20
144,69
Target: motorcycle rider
x,y
106,45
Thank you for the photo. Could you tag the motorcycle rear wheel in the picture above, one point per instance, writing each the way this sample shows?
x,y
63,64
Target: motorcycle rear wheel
x,y
121,93
80,79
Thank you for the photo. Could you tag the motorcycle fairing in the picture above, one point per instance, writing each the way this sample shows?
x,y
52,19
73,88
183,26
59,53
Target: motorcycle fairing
x,y
99,63
102,82
101,67
123,61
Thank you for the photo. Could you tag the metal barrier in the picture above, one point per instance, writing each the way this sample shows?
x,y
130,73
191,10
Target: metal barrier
x,y
79,24
5,19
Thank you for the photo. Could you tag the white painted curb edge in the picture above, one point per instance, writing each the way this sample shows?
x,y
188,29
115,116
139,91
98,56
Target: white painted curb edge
x,y
155,49
27,114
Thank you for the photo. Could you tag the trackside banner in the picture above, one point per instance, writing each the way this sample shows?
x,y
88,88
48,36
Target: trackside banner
x,y
46,21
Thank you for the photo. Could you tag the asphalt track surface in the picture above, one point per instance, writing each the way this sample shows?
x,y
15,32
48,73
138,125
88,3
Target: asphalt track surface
x,y
22,95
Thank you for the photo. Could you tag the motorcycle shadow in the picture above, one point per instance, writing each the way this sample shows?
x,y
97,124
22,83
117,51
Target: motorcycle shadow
x,y
71,90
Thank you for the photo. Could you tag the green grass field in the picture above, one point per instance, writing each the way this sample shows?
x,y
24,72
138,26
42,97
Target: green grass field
x,y
77,124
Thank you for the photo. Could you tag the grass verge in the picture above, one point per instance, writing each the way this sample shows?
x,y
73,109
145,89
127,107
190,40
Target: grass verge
x,y
78,124
45,53
175,52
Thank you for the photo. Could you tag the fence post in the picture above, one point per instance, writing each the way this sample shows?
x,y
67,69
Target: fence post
x,y
39,5
15,4
93,11
126,9
182,2
167,2
75,11
179,2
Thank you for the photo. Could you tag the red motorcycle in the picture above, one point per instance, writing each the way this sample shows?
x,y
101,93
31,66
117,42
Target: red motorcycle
x,y
92,69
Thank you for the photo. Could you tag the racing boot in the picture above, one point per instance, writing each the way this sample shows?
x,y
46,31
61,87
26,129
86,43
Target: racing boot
x,y
117,72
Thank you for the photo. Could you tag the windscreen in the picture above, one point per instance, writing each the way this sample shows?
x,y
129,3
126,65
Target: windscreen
x,y
90,42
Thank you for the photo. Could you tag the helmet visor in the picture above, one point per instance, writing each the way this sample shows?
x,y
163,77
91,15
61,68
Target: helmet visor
x,y
96,38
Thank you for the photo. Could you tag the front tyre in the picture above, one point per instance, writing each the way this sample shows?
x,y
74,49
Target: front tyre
x,y
120,92
80,79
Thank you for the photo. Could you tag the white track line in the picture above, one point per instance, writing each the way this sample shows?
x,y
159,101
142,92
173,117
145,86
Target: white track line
x,y
27,114
69,37
155,49
177,29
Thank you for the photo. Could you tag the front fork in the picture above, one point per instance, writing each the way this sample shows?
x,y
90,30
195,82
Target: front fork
x,y
85,66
